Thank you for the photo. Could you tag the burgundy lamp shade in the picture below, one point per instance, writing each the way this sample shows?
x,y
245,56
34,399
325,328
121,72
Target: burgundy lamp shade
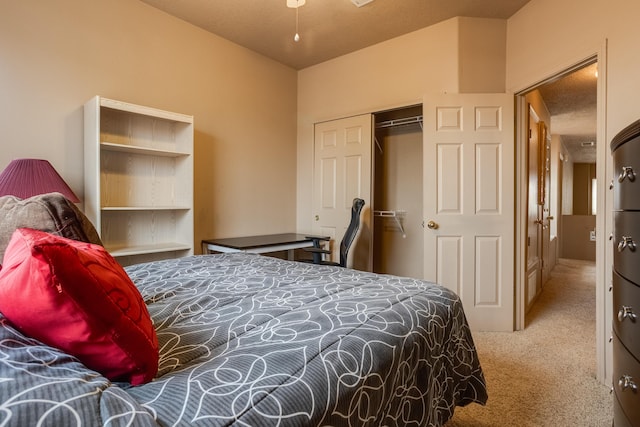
x,y
25,178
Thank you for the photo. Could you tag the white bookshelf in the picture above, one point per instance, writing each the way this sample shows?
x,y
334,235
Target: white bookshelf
x,y
139,179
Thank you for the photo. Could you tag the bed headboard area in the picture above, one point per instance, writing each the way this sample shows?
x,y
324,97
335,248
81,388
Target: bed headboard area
x,y
52,213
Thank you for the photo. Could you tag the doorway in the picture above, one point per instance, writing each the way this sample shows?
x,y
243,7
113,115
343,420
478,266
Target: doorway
x,y
561,152
571,97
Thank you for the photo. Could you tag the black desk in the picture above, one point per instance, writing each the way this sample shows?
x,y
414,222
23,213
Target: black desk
x,y
259,244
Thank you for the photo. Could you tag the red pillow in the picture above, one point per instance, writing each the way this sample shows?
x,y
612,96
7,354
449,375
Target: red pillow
x,y
74,296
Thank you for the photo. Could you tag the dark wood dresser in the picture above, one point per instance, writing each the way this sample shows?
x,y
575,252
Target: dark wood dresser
x,y
625,148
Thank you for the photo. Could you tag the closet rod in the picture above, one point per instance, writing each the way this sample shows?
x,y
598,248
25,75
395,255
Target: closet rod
x,y
400,122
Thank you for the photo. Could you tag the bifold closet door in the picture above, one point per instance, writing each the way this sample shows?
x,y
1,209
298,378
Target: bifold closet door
x,y
342,172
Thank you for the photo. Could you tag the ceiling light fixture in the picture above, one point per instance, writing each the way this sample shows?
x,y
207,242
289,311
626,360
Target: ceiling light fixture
x,y
361,3
295,4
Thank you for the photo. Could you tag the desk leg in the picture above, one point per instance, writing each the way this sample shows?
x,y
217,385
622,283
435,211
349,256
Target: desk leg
x,y
291,254
205,249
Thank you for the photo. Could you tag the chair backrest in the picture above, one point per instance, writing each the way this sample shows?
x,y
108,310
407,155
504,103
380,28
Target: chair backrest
x,y
352,230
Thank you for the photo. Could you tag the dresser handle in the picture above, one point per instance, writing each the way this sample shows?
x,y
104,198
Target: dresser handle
x,y
626,381
627,172
626,242
626,312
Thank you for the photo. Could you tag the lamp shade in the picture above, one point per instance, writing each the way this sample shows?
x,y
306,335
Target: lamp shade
x,y
25,178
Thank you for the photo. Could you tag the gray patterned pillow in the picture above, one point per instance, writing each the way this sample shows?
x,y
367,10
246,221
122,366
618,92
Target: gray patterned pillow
x,y
52,213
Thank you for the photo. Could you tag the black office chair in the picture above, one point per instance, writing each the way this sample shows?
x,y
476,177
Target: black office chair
x,y
318,252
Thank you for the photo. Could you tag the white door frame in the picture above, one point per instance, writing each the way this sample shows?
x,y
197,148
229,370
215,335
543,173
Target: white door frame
x,y
604,256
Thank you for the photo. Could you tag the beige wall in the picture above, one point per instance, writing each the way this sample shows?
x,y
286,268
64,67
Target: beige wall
x,y
558,191
55,55
583,176
567,186
574,30
575,240
395,73
482,54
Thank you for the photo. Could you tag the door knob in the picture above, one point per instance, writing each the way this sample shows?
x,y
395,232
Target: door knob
x,y
432,225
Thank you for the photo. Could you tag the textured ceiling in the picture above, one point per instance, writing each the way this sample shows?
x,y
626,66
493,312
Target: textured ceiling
x,y
571,101
331,28
328,28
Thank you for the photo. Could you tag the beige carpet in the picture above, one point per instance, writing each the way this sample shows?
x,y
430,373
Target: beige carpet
x,y
544,375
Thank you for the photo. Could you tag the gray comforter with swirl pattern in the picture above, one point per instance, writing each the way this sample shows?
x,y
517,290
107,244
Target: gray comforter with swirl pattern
x,y
248,340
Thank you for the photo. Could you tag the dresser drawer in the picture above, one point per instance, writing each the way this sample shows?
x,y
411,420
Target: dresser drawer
x,y
626,380
619,417
626,313
626,240
626,177
626,168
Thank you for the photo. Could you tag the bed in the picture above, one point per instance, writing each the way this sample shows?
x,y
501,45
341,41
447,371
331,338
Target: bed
x,y
250,340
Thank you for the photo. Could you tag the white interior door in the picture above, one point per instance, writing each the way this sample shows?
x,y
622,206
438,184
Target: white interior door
x,y
469,203
534,212
342,172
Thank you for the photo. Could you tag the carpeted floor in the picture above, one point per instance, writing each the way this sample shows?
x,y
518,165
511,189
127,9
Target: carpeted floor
x,y
544,375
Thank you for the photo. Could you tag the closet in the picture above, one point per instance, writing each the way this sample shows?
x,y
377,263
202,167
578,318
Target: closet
x,y
398,243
